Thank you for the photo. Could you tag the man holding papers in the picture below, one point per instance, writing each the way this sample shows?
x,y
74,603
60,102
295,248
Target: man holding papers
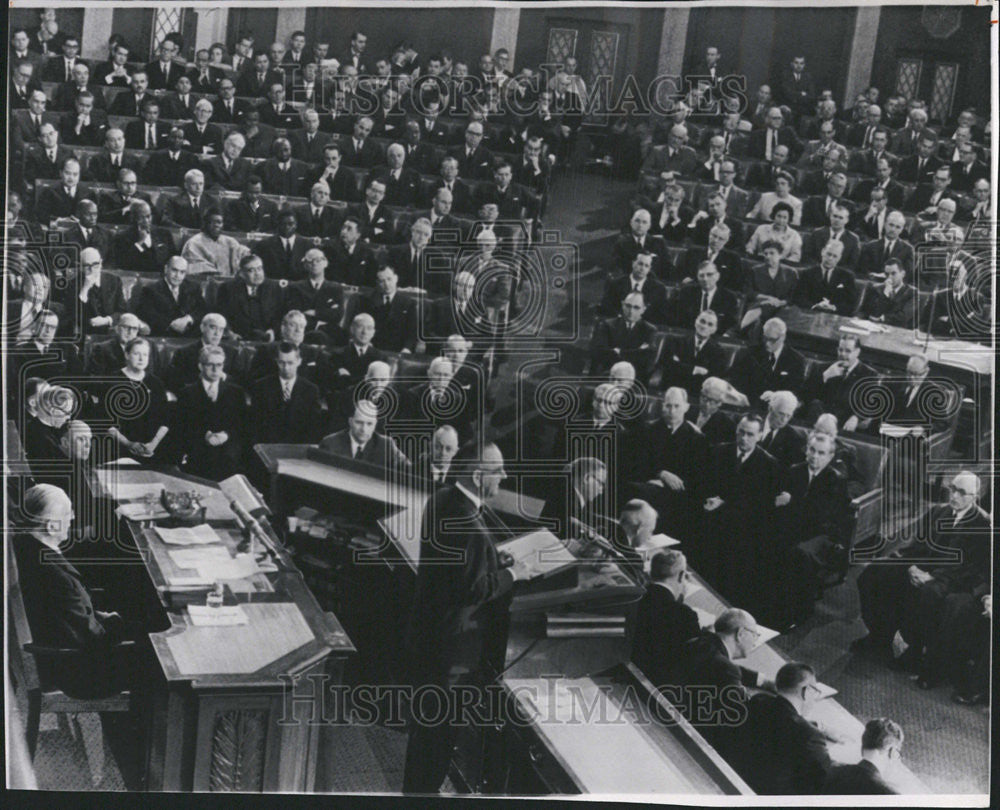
x,y
458,634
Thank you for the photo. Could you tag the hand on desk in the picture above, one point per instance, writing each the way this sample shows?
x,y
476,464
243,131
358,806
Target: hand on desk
x,y
671,480
825,305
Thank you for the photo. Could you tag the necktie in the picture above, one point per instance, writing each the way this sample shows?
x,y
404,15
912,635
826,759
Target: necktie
x,y
385,301
868,137
286,391
195,203
770,143
829,205
52,155
704,301
888,251
772,360
150,136
229,106
358,450
288,249
69,71
38,123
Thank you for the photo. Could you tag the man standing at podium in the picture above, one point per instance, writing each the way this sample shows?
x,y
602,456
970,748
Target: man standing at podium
x,y
458,635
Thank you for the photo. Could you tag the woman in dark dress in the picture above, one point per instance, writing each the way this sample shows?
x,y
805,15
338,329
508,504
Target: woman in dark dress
x,y
137,401
769,287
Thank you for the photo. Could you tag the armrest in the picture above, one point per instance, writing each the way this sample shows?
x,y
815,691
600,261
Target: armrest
x,y
869,497
43,651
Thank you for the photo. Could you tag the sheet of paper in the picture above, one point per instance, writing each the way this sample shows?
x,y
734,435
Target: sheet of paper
x,y
226,615
185,536
705,619
198,557
825,690
657,542
239,567
124,491
852,330
123,462
541,551
140,511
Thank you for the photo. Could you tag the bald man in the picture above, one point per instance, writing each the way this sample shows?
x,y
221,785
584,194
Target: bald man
x,y
60,611
909,589
435,467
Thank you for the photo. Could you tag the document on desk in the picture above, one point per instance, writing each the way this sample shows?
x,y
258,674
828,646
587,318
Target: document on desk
x,y
224,616
184,536
542,552
657,542
124,491
214,563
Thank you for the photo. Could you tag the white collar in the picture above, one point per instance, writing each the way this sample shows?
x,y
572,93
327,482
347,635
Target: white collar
x,y
476,500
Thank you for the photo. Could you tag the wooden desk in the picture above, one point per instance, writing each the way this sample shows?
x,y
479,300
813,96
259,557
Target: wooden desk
x,y
222,721
967,363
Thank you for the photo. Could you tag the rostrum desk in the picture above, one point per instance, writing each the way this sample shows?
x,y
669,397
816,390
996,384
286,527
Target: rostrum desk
x,y
225,719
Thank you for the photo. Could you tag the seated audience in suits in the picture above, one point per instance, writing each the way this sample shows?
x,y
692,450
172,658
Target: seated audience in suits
x,y
890,246
714,423
106,167
663,622
675,156
84,127
292,331
627,337
108,356
276,112
653,292
968,169
830,286
893,302
200,136
228,109
147,132
782,753
637,240
815,182
85,232
190,208
308,143
338,178
834,388
170,166
396,316
211,420
771,366
952,565
59,607
713,218
60,201
688,360
671,217
130,103
142,247
836,231
173,305
776,133
433,468
285,405
352,261
251,211
694,299
372,214
884,182
402,183
360,441
183,370
251,303
881,753
44,156
281,173
115,207
164,72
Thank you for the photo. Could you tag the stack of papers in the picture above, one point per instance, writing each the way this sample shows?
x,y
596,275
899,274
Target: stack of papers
x,y
195,536
227,615
542,552
214,563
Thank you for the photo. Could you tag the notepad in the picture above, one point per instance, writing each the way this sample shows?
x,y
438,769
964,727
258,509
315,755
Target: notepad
x,y
542,552
226,615
184,536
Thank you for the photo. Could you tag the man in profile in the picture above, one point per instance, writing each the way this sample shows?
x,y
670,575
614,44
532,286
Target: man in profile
x,y
458,634
881,752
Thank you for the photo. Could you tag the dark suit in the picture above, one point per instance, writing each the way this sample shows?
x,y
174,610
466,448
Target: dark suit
x,y
157,307
207,141
457,407
814,213
97,237
285,117
348,359
800,93
688,305
309,151
683,452
343,186
250,317
61,615
862,779
379,450
757,145
135,134
897,310
222,115
111,206
160,80
291,183
839,290
207,84
241,217
410,270
477,166
395,326
679,359
326,225
369,156
54,203
127,103
100,169
909,169
894,193
782,752
461,196
956,555
753,373
866,162
90,135
356,268
923,197
662,624
327,301
816,241
66,95
179,211
786,445
295,421
277,261
103,301
250,85
163,170
683,161
834,396
458,623
653,292
376,226
38,166
196,414
232,179
963,179
635,345
144,260
873,256
967,317
184,370
402,191
626,248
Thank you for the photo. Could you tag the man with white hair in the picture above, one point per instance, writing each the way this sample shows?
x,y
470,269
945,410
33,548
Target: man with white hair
x,y
201,136
229,170
99,298
675,156
770,366
190,208
410,260
441,400
108,356
184,362
316,218
396,316
59,607
905,141
778,437
910,599
711,420
174,304
308,143
347,366
875,255
434,467
402,184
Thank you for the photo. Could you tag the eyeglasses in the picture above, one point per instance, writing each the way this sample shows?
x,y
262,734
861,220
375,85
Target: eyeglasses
x,y
959,491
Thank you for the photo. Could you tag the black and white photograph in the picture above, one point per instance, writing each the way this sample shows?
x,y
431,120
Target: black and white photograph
x,y
505,400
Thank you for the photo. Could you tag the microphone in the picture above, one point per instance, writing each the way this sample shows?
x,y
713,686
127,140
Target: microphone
x,y
252,527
